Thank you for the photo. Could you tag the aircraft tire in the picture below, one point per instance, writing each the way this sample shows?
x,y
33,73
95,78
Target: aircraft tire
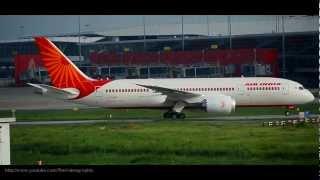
x,y
174,115
287,113
167,115
181,116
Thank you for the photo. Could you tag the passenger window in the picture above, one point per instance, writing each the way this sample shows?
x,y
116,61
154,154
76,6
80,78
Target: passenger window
x,y
300,88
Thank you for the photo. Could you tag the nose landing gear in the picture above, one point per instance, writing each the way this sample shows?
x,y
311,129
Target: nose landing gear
x,y
290,108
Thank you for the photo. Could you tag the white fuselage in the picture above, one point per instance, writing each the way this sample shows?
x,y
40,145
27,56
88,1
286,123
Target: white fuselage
x,y
264,91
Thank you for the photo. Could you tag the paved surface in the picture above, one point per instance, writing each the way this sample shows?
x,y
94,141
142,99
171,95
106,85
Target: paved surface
x,y
25,98
207,119
74,122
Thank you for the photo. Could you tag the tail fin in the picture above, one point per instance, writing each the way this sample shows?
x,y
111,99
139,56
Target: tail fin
x,y
63,73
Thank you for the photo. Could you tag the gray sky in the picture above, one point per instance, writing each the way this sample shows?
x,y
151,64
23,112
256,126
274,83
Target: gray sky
x,y
14,26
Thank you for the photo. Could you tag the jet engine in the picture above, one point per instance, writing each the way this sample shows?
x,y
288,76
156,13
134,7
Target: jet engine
x,y
219,104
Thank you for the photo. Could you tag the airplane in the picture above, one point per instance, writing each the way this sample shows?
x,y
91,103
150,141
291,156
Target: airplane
x,y
213,95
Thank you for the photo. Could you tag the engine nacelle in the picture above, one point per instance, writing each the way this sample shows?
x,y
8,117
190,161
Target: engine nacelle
x,y
219,104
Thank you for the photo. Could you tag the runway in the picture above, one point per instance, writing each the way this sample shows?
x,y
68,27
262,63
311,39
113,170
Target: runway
x,y
75,122
200,119
24,98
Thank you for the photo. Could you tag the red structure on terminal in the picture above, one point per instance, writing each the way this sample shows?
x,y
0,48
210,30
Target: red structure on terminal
x,y
25,62
225,57
237,57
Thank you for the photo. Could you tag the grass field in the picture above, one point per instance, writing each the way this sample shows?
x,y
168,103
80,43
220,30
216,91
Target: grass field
x,y
166,142
100,113
161,142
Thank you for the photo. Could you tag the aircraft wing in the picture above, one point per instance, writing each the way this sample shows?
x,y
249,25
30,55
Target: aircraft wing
x,y
66,93
173,94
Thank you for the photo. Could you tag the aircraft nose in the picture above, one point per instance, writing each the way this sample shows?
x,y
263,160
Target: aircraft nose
x,y
310,97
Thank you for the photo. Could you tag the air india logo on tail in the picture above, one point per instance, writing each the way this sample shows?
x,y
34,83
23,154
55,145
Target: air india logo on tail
x,y
63,73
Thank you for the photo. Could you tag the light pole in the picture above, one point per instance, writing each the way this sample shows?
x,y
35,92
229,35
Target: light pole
x,y
21,31
276,29
283,49
144,34
87,26
208,27
182,33
79,26
229,28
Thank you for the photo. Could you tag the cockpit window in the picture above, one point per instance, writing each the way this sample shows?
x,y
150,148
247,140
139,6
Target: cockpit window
x,y
300,88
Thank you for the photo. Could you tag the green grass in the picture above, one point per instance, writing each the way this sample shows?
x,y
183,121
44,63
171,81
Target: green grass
x,y
165,142
100,113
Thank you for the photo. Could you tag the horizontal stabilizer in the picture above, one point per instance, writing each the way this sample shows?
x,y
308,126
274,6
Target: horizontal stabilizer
x,y
65,93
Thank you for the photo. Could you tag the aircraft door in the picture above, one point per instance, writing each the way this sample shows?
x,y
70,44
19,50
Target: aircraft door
x,y
242,94
285,89
240,89
97,92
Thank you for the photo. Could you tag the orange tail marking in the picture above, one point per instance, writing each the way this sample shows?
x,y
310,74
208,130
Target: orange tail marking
x,y
63,73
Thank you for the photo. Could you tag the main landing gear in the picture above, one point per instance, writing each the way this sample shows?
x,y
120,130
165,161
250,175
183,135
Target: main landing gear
x,y
173,115
176,111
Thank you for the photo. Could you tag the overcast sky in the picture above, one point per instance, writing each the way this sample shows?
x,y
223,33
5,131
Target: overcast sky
x,y
15,26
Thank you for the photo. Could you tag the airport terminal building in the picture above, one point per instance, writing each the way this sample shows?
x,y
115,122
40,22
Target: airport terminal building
x,y
292,55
